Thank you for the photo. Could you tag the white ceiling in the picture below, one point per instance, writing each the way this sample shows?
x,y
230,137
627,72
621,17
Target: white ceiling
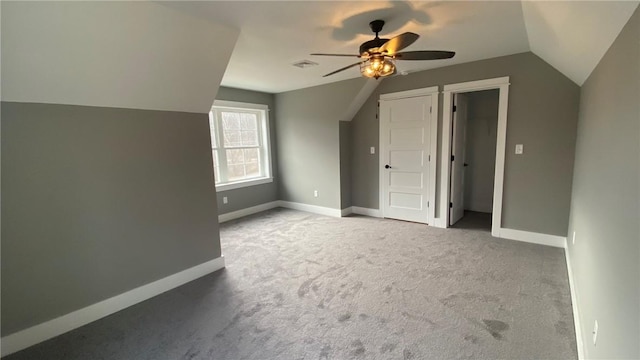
x,y
572,36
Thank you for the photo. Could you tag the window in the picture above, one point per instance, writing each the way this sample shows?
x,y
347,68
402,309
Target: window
x,y
240,144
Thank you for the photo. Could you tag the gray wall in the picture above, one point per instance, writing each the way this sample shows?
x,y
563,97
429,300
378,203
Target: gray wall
x,y
98,201
308,141
604,210
542,115
258,194
480,150
345,164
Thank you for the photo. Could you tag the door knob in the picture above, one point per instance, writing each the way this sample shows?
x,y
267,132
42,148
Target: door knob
x,y
387,167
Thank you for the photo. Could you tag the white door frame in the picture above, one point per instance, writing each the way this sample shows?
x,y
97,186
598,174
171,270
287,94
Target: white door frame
x,y
501,84
433,91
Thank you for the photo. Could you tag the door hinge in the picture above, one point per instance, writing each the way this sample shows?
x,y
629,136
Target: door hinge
x,y
429,158
455,108
427,204
450,205
430,109
453,157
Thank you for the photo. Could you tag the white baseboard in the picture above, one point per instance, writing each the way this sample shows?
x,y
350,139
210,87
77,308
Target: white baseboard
x,y
574,305
347,211
58,326
310,208
531,237
285,204
248,211
366,211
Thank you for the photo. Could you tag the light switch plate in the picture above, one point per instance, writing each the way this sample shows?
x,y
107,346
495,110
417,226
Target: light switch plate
x,y
372,150
519,149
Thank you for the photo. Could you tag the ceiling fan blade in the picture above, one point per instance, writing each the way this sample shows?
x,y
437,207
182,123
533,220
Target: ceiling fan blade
x,y
344,68
424,55
336,55
399,42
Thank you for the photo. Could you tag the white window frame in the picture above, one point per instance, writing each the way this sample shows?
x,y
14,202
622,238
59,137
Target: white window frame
x,y
263,133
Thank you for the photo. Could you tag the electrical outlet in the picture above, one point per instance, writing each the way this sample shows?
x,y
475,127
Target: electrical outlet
x,y
225,200
315,193
595,332
372,150
573,241
519,149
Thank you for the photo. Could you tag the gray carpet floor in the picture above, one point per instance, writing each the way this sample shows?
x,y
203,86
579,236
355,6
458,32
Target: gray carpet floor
x,y
304,286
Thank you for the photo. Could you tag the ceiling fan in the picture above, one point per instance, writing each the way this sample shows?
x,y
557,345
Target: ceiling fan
x,y
378,55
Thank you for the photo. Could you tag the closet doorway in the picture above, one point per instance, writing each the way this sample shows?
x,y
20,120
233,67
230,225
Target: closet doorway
x,y
474,134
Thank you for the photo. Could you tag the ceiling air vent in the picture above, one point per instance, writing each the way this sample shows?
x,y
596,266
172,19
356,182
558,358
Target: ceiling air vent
x,y
303,64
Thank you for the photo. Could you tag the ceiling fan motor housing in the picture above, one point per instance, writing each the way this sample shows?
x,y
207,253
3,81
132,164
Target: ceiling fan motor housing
x,y
376,27
371,44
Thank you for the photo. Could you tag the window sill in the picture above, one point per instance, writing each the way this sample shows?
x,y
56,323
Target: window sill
x,y
242,184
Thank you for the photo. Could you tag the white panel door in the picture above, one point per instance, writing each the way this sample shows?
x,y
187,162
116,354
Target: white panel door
x,y
456,207
405,126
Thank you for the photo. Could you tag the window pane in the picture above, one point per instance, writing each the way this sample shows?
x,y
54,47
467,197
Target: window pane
x,y
252,162
231,120
252,169
243,163
249,137
232,138
236,172
248,121
251,156
235,157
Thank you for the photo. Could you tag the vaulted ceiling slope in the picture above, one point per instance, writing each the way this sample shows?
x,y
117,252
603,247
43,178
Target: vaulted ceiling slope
x,y
138,55
572,36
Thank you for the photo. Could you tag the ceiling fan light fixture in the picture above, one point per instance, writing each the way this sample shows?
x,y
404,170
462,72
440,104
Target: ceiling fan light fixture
x,y
377,67
377,63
